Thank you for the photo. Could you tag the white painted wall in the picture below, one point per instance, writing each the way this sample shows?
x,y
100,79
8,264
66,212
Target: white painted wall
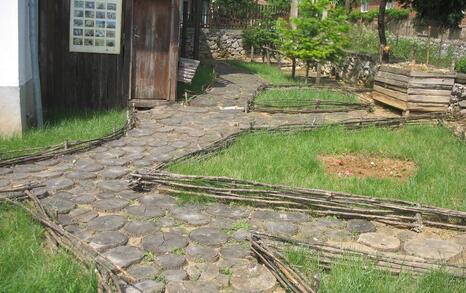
x,y
16,95
9,43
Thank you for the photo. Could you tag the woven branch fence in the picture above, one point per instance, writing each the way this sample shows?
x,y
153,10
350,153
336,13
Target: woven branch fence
x,y
298,106
317,202
329,255
41,154
110,278
286,275
350,124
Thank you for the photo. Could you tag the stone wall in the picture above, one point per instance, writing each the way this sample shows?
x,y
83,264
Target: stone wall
x,y
459,94
217,44
357,68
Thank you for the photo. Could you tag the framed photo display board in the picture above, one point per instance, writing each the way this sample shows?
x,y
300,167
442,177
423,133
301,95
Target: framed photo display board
x,y
95,26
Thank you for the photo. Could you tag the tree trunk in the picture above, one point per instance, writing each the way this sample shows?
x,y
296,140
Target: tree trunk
x,y
382,35
307,71
348,6
293,68
318,73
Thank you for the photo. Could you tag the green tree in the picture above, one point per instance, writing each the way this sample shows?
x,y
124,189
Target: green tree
x,y
448,13
320,33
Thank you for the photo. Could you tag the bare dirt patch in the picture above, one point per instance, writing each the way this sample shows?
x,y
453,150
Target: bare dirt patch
x,y
364,166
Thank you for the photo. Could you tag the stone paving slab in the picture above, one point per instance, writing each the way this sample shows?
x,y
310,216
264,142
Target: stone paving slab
x,y
176,247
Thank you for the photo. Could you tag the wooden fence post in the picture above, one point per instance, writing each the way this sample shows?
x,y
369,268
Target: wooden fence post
x,y
428,45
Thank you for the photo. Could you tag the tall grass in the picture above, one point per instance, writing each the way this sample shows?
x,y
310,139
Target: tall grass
x,y
292,159
366,40
25,266
61,126
358,275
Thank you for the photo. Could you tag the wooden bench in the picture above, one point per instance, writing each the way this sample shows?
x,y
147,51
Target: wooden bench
x,y
187,69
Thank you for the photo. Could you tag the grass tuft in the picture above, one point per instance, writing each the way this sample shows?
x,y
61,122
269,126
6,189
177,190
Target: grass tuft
x,y
25,266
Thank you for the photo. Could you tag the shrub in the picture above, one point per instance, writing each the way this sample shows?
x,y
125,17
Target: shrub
x,y
363,16
397,13
461,65
391,14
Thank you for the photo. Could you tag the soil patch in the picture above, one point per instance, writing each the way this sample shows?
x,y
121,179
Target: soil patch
x,y
364,166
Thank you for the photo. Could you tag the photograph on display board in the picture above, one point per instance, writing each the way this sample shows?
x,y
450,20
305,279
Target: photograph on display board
x,y
95,26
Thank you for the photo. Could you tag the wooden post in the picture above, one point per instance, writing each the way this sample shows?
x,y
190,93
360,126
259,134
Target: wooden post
x,y
293,14
348,6
184,29
428,45
252,53
413,55
197,28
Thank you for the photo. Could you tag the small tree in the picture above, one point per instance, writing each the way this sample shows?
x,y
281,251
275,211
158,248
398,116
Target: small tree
x,y
319,35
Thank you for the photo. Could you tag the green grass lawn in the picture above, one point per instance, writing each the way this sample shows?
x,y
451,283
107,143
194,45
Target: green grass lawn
x,y
286,98
292,159
356,275
204,76
61,126
26,266
270,73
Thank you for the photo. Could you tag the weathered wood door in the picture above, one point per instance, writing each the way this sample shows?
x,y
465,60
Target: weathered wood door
x,y
155,44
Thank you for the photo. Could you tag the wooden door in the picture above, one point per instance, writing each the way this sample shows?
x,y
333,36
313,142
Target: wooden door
x,y
155,43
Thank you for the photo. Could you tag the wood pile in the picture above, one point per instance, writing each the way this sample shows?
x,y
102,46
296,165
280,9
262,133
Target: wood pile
x,y
414,89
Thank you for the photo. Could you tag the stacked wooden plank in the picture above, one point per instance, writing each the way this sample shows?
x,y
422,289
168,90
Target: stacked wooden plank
x,y
413,90
187,69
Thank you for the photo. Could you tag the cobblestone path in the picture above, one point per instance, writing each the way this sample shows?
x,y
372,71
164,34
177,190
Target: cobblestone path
x,y
197,248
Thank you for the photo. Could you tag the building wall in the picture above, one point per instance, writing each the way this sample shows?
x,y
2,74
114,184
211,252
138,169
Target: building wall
x,y
80,80
16,89
9,67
